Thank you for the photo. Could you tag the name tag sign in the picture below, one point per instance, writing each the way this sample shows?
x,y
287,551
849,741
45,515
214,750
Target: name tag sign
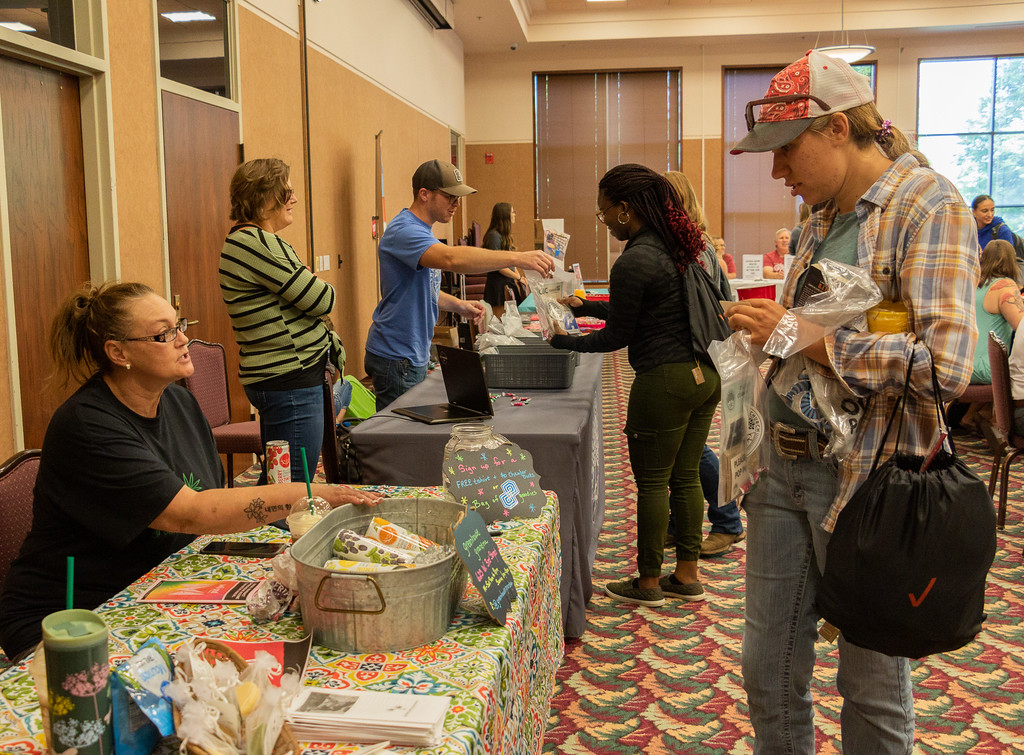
x,y
487,569
753,267
498,483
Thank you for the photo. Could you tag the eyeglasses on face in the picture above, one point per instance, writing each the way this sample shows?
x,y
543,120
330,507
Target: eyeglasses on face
x,y
779,99
288,194
452,199
600,213
165,336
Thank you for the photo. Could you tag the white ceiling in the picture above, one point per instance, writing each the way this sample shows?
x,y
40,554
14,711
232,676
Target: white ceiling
x,y
487,26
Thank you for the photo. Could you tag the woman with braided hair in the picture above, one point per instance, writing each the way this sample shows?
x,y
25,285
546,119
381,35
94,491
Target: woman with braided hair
x,y
674,394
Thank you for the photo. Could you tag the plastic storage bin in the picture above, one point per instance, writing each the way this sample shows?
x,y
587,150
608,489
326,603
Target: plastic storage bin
x,y
530,366
386,611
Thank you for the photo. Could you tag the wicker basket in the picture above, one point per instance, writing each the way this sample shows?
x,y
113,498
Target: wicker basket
x,y
215,651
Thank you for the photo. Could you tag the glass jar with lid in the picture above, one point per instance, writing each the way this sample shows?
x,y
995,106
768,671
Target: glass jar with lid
x,y
469,437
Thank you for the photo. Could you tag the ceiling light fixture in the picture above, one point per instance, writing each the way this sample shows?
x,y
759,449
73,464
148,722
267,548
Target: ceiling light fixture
x,y
851,53
17,26
181,17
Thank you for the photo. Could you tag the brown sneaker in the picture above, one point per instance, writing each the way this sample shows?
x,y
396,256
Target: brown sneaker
x,y
717,543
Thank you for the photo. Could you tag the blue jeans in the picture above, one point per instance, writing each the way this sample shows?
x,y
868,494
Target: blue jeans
x,y
391,377
296,416
723,518
785,558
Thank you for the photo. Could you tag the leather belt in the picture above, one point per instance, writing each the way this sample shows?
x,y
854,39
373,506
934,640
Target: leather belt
x,y
1018,402
791,443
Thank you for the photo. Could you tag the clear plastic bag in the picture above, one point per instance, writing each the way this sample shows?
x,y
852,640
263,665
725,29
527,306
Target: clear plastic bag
x,y
822,400
850,294
743,452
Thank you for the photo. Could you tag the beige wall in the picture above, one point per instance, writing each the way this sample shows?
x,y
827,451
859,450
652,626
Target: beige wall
x,y
508,179
137,163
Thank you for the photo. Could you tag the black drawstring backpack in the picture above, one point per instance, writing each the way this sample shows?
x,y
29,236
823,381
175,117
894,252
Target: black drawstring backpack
x,y
906,565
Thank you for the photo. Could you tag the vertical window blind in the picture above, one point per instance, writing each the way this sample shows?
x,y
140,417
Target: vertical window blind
x,y
586,123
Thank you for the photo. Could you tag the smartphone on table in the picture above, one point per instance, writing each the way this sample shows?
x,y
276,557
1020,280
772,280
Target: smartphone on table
x,y
243,549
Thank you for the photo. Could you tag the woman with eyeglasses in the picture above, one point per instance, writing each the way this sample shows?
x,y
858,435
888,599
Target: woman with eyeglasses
x,y
276,306
675,392
129,471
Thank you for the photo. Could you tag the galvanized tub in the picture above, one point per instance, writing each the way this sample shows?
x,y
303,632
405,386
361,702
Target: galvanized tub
x,y
386,611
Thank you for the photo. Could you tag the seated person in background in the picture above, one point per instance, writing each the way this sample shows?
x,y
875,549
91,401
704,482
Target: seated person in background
x,y
998,307
499,237
727,263
129,471
774,262
990,225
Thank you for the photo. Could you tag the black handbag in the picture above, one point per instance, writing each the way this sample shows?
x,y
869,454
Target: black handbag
x,y
349,469
906,564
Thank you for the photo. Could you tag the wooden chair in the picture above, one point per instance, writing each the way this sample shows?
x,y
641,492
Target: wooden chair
x,y
1011,443
209,384
17,482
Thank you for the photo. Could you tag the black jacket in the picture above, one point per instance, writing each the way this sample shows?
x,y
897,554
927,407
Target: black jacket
x,y
646,309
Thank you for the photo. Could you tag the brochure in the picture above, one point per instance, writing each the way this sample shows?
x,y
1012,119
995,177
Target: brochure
x,y
318,714
199,591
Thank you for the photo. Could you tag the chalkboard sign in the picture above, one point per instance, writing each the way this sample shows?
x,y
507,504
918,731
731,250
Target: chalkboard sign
x,y
487,569
499,483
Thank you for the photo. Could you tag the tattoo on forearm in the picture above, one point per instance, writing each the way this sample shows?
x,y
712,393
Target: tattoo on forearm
x,y
258,509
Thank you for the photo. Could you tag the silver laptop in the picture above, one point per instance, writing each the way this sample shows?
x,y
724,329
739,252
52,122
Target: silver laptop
x,y
468,398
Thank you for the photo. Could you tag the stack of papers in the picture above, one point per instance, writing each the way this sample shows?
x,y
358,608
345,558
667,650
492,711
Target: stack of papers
x,y
344,715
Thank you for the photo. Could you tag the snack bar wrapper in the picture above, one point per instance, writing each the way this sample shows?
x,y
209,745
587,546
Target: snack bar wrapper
x,y
352,546
142,715
362,567
391,534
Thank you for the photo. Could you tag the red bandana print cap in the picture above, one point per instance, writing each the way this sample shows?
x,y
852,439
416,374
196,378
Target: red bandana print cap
x,y
831,80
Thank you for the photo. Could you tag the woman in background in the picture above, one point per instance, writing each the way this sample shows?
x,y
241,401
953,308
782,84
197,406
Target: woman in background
x,y
674,394
129,471
499,236
725,260
990,225
276,306
709,255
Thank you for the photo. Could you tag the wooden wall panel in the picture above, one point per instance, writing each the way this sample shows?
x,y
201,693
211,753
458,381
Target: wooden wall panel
x,y
708,170
510,178
136,147
201,153
272,108
42,131
346,111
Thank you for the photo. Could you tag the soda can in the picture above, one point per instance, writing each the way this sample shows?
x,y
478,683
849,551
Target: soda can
x,y
279,461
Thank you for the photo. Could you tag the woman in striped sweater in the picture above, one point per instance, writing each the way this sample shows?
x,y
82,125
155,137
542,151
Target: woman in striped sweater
x,y
276,306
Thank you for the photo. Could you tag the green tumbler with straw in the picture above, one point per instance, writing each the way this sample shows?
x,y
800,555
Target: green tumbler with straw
x,y
78,680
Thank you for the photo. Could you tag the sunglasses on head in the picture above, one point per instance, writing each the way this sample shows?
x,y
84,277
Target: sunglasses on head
x,y
779,99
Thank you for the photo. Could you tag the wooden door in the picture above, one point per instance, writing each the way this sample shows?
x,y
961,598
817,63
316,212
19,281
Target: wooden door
x,y
42,144
200,154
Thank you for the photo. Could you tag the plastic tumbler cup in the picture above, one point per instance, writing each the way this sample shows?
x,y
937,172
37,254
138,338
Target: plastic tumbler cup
x,y
78,682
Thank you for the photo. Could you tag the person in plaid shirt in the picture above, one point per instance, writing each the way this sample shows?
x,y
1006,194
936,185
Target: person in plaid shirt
x,y
876,207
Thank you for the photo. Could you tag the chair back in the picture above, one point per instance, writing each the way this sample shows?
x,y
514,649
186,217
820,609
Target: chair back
x,y
1002,396
209,382
329,449
17,482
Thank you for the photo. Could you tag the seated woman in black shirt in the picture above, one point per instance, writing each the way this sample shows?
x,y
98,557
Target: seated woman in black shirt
x,y
129,471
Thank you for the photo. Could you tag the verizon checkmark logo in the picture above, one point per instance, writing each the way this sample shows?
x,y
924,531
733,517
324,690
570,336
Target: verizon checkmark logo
x,y
915,601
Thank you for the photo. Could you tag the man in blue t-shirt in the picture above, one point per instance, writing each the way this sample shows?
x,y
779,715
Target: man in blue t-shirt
x,y
411,261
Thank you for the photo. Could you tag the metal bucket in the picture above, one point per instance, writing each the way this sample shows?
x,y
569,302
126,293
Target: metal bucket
x,y
396,610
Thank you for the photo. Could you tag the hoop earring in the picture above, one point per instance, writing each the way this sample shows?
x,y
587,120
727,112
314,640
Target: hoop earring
x,y
619,218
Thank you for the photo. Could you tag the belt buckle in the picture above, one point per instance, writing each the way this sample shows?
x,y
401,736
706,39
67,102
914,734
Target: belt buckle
x,y
777,429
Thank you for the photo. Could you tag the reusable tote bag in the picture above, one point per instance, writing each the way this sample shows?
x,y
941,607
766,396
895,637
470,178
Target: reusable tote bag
x,y
906,565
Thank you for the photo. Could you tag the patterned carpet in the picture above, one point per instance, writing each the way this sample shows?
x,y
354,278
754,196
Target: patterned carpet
x,y
667,680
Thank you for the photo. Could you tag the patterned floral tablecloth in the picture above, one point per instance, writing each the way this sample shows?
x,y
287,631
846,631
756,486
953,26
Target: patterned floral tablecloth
x,y
500,679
